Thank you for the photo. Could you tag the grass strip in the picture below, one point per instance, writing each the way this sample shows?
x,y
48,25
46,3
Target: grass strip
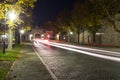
x,y
7,59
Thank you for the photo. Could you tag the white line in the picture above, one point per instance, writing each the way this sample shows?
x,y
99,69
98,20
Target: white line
x,y
49,70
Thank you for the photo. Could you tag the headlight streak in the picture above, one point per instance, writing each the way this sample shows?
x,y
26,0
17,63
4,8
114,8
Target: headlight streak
x,y
84,48
68,47
100,51
35,44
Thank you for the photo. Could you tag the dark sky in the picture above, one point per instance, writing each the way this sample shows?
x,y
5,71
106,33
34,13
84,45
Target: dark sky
x,y
47,10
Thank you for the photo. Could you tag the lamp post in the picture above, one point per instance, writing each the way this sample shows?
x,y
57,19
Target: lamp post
x,y
11,17
71,36
21,32
4,44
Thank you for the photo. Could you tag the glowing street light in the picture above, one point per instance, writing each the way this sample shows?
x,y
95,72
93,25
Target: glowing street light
x,y
42,35
71,33
22,31
12,16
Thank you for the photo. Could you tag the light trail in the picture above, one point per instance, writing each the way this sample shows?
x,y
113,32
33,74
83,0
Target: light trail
x,y
89,53
84,48
76,49
98,51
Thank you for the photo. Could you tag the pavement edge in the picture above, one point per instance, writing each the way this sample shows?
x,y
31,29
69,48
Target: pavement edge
x,y
49,70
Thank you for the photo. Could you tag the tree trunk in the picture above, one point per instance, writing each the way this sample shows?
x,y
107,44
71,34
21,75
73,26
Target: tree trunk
x,y
17,36
115,27
83,37
78,36
10,37
94,37
68,36
113,21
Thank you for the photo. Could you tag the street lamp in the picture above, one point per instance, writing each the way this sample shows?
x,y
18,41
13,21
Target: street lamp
x,y
71,33
22,31
12,17
4,46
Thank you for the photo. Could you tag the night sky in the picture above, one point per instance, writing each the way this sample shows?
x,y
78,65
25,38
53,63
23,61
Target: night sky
x,y
47,10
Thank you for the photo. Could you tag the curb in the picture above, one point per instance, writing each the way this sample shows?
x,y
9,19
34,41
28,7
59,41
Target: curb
x,y
49,70
11,69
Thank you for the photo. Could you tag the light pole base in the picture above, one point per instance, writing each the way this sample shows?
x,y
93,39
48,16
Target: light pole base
x,y
4,46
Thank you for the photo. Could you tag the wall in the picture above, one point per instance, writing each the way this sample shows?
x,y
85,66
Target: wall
x,y
111,36
85,37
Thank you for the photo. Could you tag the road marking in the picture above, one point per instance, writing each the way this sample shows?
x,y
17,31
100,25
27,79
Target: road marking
x,y
49,70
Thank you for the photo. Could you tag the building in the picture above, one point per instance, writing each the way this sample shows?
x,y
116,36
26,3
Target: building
x,y
107,35
38,33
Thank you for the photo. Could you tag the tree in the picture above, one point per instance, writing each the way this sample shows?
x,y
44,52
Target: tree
x,y
63,22
94,18
18,6
79,14
109,9
51,26
25,16
99,10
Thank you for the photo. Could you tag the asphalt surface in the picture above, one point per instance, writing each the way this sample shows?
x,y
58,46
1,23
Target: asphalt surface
x,y
45,62
69,65
28,67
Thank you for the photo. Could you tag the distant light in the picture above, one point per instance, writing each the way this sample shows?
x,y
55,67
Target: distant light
x,y
31,35
71,32
99,33
22,31
57,36
42,35
4,36
64,38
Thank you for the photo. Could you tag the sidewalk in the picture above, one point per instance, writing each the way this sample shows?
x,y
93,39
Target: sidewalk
x,y
28,67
